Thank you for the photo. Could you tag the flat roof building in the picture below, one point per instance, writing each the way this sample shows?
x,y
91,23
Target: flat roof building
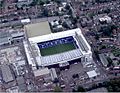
x,y
6,73
5,37
103,59
41,72
92,74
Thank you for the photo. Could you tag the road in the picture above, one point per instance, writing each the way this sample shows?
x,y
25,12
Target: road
x,y
12,23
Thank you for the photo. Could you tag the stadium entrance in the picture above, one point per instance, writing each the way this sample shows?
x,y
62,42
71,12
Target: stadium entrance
x,y
74,61
65,65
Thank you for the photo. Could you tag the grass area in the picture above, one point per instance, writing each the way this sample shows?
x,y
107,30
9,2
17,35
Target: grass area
x,y
116,51
57,49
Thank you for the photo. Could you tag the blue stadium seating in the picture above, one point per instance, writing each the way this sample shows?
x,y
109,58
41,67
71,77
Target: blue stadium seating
x,y
55,42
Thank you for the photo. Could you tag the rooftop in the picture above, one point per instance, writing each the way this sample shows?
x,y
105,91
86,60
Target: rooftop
x,y
6,73
103,59
4,40
92,74
41,72
4,34
38,29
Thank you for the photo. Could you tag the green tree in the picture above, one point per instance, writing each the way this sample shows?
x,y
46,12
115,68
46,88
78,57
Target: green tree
x,y
57,89
96,52
113,85
57,1
106,30
97,37
45,12
67,7
73,90
69,12
91,15
1,4
110,62
80,89
110,89
41,3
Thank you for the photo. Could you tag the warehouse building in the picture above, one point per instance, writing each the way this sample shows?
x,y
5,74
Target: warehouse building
x,y
6,73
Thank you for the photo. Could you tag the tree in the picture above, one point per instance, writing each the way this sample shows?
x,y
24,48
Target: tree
x,y
75,76
102,1
74,20
113,27
69,12
106,30
67,7
73,90
57,1
80,89
113,85
91,15
57,13
1,4
47,2
77,17
94,86
96,52
34,3
41,3
64,24
45,12
106,10
110,89
57,89
97,37
110,62
56,80
103,47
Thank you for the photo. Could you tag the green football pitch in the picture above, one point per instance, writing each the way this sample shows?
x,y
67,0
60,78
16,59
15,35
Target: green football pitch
x,y
57,49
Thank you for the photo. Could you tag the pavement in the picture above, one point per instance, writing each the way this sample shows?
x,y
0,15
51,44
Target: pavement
x,y
67,79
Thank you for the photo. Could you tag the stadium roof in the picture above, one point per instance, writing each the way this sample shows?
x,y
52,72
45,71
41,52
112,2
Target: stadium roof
x,y
59,57
38,29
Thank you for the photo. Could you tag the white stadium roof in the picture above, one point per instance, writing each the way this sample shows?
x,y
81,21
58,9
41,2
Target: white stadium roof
x,y
60,58
82,50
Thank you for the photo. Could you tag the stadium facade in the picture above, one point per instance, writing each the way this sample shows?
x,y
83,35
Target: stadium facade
x,y
57,48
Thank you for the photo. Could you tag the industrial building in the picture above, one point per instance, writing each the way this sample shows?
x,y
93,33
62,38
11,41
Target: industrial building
x,y
7,37
6,73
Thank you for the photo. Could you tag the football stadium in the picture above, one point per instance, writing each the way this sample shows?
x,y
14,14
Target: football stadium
x,y
47,48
